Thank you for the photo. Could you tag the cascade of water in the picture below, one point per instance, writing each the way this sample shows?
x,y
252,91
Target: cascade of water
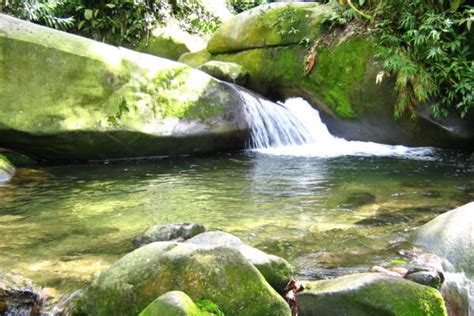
x,y
294,128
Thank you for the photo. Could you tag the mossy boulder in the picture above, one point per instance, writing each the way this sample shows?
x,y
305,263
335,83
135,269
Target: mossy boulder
x,y
7,170
230,72
277,271
219,274
168,232
277,24
174,303
170,42
67,97
369,294
274,42
19,160
451,236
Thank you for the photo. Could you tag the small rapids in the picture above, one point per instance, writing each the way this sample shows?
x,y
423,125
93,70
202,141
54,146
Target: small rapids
x,y
294,128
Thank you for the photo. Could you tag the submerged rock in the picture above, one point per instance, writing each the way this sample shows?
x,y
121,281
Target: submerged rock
x,y
176,232
277,271
7,170
88,100
274,42
358,199
230,72
219,274
369,294
18,296
173,303
451,236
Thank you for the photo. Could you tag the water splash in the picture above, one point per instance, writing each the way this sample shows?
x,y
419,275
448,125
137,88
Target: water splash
x,y
294,128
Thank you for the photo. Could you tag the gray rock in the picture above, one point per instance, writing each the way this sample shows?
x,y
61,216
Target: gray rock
x,y
219,274
369,294
18,296
277,271
451,236
169,232
429,278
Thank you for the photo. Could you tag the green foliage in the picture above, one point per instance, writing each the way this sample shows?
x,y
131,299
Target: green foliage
x,y
243,5
209,307
114,21
425,44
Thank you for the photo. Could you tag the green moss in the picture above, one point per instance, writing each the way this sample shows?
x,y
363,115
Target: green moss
x,y
195,59
209,307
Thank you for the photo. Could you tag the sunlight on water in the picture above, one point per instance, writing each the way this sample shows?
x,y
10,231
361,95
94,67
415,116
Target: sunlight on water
x,y
295,129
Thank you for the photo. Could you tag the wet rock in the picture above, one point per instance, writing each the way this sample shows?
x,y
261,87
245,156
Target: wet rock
x,y
429,278
19,160
168,232
18,296
369,294
173,303
230,72
431,194
383,219
219,274
277,271
451,236
358,199
6,169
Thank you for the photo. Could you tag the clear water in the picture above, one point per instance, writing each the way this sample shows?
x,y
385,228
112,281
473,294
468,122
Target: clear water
x,y
61,224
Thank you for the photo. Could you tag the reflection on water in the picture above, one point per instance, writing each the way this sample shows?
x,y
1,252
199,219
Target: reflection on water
x,y
327,216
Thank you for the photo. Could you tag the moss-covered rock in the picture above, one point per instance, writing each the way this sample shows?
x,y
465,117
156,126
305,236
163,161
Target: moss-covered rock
x,y
369,294
7,170
170,42
451,236
195,59
168,232
173,303
67,97
230,72
19,160
219,274
277,271
269,25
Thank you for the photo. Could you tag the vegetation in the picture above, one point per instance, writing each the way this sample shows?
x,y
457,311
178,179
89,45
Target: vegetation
x,y
243,5
113,21
425,44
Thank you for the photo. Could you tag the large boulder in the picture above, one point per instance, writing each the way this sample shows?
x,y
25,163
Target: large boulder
x,y
451,236
67,97
219,274
274,43
6,169
168,232
170,42
277,271
369,294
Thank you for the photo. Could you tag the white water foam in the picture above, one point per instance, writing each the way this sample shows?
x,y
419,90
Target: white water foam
x,y
294,128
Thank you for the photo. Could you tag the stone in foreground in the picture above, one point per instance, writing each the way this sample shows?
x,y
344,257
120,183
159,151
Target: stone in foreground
x,y
451,236
18,296
221,275
6,169
277,271
369,294
173,303
169,232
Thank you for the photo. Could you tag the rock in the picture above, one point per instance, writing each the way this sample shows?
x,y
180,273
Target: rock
x,y
219,274
230,72
277,271
451,236
19,160
88,100
7,170
429,278
369,294
18,296
173,303
170,42
358,199
273,43
195,59
176,232
218,8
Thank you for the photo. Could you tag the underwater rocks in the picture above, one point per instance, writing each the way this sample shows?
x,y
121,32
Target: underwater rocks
x,y
369,294
169,232
220,274
87,100
18,296
451,236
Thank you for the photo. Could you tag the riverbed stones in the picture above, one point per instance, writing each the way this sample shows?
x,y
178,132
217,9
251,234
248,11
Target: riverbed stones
x,y
220,274
277,271
87,100
6,169
18,295
230,72
369,294
169,232
174,303
451,236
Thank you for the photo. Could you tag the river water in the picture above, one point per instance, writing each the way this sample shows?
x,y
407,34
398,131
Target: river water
x,y
329,206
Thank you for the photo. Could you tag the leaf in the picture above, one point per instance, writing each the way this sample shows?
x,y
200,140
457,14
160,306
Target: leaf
x,y
110,5
88,13
398,261
81,24
455,4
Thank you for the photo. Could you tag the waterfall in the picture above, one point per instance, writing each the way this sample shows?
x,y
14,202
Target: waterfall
x,y
294,128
